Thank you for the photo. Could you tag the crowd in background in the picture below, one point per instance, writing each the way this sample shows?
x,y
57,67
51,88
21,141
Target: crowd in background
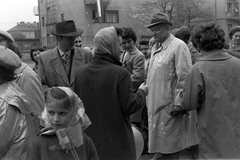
x,y
178,90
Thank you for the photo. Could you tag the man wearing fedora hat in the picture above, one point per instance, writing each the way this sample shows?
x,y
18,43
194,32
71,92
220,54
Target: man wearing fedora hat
x,y
169,64
57,67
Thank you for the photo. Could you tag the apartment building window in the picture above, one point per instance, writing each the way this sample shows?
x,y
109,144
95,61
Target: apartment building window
x,y
235,10
229,8
51,11
43,22
110,16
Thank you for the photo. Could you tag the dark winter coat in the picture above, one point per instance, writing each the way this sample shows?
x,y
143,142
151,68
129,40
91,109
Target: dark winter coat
x,y
106,90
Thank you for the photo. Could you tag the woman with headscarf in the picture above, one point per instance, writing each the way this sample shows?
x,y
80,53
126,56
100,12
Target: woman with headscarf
x,y
15,119
106,90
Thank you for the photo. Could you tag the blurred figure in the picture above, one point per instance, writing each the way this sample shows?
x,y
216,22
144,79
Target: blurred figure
x,y
169,64
34,54
15,110
58,66
78,39
212,88
106,90
145,49
184,34
234,36
234,46
133,60
27,80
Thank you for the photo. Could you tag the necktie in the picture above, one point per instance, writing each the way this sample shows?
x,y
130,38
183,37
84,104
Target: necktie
x,y
65,58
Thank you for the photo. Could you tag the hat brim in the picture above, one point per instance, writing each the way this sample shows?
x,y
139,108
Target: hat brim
x,y
70,34
154,24
7,35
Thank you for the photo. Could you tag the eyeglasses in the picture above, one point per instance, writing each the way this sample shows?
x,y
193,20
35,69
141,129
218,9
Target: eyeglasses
x,y
78,41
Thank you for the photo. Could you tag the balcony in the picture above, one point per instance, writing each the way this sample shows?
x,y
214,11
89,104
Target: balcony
x,y
105,3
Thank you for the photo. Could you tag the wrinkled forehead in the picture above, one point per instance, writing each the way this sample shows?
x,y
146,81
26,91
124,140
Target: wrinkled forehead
x,y
159,26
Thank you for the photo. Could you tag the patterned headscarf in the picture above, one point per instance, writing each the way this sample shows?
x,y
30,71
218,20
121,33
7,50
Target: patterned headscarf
x,y
76,105
106,41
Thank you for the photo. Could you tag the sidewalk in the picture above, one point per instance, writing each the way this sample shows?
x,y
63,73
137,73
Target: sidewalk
x,y
184,155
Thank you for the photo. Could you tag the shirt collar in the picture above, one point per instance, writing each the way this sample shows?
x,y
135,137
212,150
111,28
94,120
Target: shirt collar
x,y
215,55
167,41
62,53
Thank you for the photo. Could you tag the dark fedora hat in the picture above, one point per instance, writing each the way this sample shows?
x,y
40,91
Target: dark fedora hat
x,y
66,28
159,18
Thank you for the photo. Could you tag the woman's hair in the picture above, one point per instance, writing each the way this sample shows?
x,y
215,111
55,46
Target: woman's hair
x,y
233,31
35,49
129,33
58,97
183,33
208,37
118,31
15,48
144,42
7,75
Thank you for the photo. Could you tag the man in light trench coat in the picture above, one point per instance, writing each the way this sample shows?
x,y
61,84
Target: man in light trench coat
x,y
169,64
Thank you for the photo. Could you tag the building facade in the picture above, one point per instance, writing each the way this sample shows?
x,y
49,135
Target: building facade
x,y
86,14
26,35
226,14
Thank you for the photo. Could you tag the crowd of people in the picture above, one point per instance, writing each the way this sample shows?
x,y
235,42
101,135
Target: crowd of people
x,y
179,90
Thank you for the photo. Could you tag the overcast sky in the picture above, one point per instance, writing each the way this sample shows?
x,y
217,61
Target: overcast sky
x,y
14,11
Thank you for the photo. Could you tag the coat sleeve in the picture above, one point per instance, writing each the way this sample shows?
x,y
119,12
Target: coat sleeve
x,y
41,72
9,122
183,64
31,85
193,92
88,56
33,151
129,101
91,149
138,72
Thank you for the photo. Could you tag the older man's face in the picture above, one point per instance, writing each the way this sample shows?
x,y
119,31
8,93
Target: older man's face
x,y
160,32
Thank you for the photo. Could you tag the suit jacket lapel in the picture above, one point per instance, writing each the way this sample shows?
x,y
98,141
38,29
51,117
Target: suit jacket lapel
x,y
57,65
76,64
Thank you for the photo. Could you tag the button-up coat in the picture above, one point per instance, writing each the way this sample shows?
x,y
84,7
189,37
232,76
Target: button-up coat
x,y
169,65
